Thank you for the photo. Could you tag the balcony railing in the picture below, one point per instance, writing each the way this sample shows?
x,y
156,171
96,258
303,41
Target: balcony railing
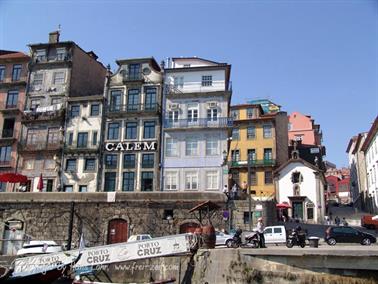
x,y
31,115
133,76
253,163
14,80
81,146
198,123
40,145
7,162
133,108
197,87
11,107
56,58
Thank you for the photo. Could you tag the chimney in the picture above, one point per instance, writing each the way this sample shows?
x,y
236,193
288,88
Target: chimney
x,y
54,37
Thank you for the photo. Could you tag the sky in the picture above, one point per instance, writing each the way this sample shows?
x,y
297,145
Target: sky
x,y
316,57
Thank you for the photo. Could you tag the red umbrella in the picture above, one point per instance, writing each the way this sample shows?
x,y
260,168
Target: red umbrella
x,y
283,206
13,178
40,183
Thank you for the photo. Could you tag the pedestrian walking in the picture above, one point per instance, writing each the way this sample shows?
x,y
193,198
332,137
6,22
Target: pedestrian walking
x,y
234,191
260,230
337,221
344,222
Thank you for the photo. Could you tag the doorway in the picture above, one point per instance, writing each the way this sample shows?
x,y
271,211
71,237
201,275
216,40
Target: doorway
x,y
117,231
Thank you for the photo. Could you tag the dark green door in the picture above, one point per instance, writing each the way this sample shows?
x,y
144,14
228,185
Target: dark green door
x,y
298,209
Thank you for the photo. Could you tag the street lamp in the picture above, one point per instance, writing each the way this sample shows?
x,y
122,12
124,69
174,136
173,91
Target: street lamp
x,y
246,188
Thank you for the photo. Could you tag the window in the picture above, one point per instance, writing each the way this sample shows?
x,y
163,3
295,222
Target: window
x,y
34,104
147,181
75,111
289,126
12,99
83,188
235,114
5,154
192,112
82,139
267,130
191,147
147,160
95,109
2,73
49,185
212,180
41,54
268,177
298,137
150,99
90,164
178,82
134,71
28,164
235,155
68,188
251,132
53,136
251,154
113,131
133,100
253,178
212,114
70,139
173,116
16,72
191,180
128,181
235,134
131,130
211,146
277,230
235,177
296,177
33,136
71,165
8,127
60,53
110,181
58,78
115,100
55,101
128,161
38,79
49,164
207,80
149,129
246,218
171,181
94,138
171,147
310,213
268,154
111,161
250,113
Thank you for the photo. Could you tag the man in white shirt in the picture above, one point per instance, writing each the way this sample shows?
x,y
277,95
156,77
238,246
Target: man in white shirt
x,y
260,228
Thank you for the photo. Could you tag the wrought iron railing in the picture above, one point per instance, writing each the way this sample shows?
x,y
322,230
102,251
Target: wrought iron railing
x,y
252,163
132,108
198,122
40,145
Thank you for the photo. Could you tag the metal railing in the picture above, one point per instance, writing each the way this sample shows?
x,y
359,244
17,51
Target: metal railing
x,y
199,122
132,108
194,87
133,76
10,79
10,107
74,145
7,163
40,145
252,163
48,115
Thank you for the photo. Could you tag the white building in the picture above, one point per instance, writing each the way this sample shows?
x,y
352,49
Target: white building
x,y
370,148
301,185
196,124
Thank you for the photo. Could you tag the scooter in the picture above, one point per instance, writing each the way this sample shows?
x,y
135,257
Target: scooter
x,y
252,240
296,238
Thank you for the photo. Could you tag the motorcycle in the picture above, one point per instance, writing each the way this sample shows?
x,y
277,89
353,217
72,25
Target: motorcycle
x,y
296,238
251,240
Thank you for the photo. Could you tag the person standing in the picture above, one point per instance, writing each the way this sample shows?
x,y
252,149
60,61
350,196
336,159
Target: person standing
x,y
260,230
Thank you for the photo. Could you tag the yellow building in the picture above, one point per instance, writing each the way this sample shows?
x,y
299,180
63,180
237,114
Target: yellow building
x,y
259,141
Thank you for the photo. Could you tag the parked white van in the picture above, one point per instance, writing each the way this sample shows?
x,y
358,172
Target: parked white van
x,y
275,235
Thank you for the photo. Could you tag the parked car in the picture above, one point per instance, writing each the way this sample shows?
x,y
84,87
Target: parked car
x,y
39,247
368,221
346,234
222,239
135,238
275,235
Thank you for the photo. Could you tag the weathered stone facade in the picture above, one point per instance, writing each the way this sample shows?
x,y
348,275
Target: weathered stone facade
x,y
46,216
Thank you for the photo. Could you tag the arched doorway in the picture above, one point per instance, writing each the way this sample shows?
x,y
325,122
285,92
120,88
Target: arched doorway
x,y
188,227
117,231
13,236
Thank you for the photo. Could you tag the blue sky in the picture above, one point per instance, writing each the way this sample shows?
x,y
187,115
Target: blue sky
x,y
316,57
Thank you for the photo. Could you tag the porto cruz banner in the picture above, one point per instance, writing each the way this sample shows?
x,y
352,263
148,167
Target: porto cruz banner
x,y
131,146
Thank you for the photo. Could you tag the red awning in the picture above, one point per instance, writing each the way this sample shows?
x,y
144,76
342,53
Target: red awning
x,y
13,178
283,206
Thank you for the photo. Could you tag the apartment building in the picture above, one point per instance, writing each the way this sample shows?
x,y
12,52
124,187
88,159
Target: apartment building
x,y
13,78
196,125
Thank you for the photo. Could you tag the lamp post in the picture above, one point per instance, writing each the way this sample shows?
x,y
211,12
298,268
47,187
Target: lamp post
x,y
227,192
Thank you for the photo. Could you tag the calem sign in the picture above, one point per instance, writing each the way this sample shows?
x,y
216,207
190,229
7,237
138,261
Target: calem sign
x,y
131,146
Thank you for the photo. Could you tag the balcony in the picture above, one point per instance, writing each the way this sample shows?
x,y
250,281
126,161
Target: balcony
x,y
252,163
197,87
132,109
220,122
43,114
61,57
133,77
7,163
81,147
11,108
41,145
9,81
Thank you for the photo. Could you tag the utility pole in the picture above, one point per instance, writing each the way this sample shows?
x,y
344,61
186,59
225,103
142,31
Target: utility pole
x,y
249,195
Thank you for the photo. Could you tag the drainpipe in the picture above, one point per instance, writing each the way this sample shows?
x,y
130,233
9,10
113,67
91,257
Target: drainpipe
x,y
162,133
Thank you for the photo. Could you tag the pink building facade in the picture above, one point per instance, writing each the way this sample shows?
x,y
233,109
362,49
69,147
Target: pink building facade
x,y
302,127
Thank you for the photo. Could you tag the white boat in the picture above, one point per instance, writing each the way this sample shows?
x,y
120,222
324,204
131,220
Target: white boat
x,y
39,247
375,218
